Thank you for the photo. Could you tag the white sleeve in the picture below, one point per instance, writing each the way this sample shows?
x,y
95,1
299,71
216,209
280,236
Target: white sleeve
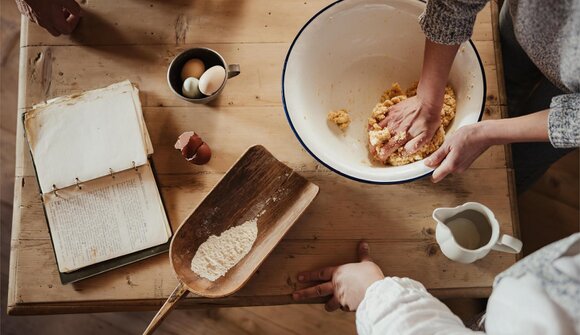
x,y
403,306
522,306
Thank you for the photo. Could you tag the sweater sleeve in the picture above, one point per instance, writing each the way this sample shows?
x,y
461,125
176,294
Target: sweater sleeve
x,y
403,306
450,21
564,121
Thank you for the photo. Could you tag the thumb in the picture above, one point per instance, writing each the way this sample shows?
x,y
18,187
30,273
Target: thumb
x,y
364,252
437,157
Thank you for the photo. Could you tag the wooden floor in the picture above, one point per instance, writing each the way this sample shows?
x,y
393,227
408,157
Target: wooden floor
x,y
549,211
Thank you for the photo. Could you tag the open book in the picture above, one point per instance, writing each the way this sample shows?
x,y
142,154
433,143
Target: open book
x,y
91,155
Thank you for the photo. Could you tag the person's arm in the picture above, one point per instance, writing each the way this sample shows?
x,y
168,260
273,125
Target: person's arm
x,y
437,61
560,125
56,16
384,305
527,128
464,146
403,306
446,24
450,21
419,117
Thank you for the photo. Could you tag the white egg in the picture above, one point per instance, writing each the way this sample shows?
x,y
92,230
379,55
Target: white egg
x,y
212,79
190,88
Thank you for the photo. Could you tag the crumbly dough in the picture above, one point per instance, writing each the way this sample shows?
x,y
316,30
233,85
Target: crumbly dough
x,y
340,118
378,136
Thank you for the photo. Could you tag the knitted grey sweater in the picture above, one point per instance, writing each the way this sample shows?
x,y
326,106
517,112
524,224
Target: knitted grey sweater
x,y
549,33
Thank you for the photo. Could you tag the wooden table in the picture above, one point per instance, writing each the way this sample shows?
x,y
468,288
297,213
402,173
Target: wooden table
x,y
136,40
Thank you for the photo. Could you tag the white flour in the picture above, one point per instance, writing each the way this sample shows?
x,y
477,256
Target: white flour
x,y
220,253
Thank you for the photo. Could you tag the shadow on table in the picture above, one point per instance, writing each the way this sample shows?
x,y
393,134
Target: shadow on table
x,y
92,27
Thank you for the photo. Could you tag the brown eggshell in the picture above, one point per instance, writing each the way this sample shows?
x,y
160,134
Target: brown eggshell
x,y
183,139
192,148
202,155
189,151
192,68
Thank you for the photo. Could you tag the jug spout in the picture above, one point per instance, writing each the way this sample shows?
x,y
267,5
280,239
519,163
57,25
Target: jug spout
x,y
442,231
442,214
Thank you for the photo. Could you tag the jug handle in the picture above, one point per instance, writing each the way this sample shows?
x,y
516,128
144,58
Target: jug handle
x,y
509,244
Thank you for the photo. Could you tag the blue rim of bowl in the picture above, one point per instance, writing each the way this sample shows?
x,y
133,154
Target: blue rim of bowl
x,y
320,160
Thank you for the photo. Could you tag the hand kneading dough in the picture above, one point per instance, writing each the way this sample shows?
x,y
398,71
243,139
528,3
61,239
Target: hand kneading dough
x,y
378,136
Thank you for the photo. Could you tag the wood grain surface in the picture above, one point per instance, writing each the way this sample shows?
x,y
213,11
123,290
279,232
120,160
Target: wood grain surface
x,y
136,40
258,187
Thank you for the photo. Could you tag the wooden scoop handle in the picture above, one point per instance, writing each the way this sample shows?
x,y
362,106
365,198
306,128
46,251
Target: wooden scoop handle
x,y
179,292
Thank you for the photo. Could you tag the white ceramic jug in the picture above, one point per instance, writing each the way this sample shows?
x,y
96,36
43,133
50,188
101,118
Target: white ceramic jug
x,y
469,232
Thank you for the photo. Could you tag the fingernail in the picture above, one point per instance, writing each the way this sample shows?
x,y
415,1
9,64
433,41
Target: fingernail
x,y
295,296
301,278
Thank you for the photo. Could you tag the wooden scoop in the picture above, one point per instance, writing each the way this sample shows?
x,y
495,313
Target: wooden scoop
x,y
257,186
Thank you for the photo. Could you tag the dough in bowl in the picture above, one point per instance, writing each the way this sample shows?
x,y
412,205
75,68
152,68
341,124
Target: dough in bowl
x,y
379,136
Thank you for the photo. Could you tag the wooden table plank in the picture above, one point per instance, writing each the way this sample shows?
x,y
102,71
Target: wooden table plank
x,y
225,129
54,71
197,22
108,47
341,204
276,277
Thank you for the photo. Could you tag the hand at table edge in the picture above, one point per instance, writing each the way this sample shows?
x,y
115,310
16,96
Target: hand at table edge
x,y
346,284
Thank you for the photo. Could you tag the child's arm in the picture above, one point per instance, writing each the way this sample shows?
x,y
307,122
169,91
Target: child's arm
x,y
403,306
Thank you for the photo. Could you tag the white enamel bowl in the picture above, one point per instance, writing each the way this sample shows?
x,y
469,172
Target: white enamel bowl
x,y
345,57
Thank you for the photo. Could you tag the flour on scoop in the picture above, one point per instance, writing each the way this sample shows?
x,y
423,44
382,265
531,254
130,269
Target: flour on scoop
x,y
220,253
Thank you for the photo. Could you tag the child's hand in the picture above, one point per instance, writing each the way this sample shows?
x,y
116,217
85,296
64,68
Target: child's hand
x,y
346,284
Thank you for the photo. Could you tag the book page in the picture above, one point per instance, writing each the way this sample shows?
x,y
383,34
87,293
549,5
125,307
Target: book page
x,y
144,131
106,218
86,136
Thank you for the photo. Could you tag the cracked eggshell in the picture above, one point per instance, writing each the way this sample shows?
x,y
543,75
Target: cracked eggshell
x,y
212,79
183,139
190,88
202,155
192,148
192,68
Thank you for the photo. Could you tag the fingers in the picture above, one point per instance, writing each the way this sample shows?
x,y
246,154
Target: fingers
x,y
364,252
63,20
392,145
322,290
65,16
392,112
437,157
393,117
332,305
384,122
72,7
446,168
324,274
59,21
413,145
72,20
